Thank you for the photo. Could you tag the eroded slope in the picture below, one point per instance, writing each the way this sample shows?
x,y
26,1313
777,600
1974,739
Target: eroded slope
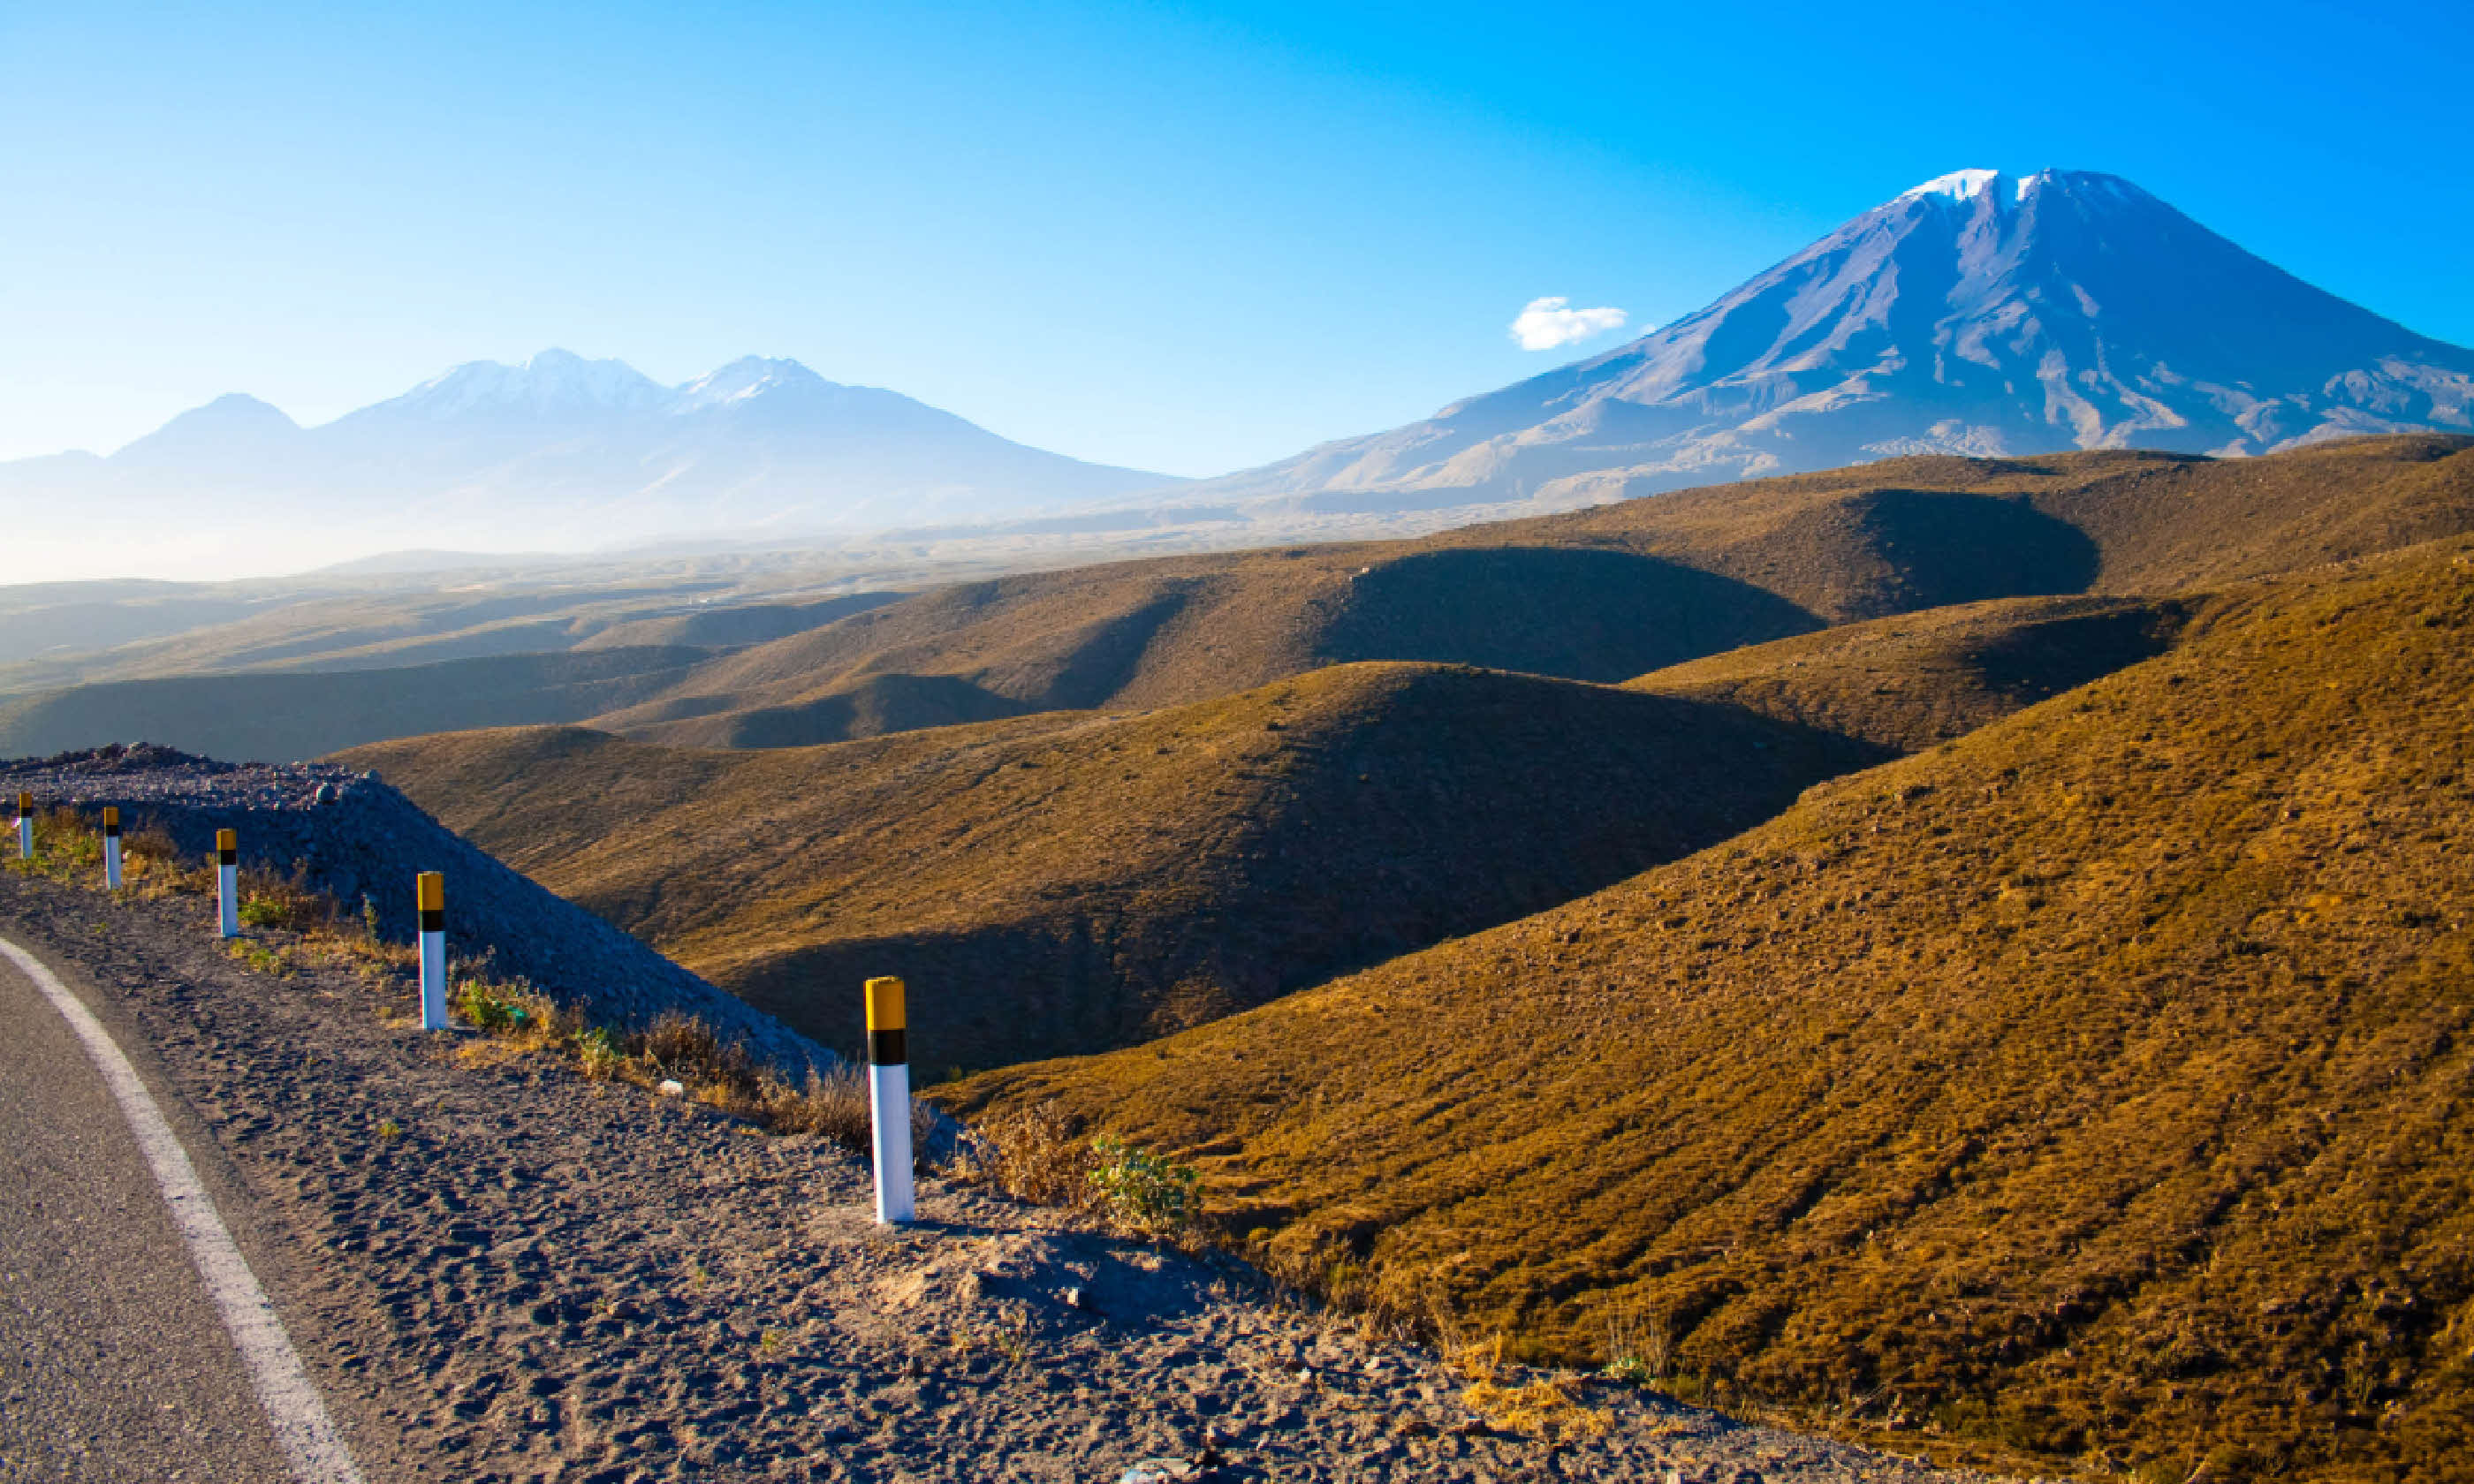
x,y
2098,1084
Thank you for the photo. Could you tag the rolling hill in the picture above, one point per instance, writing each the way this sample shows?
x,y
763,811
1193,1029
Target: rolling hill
x,y
2091,1090
1914,679
1069,882
1602,595
287,717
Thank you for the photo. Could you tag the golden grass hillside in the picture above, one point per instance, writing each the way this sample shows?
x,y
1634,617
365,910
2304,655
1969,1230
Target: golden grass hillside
x,y
1914,679
1070,882
2096,1090
1602,594
281,715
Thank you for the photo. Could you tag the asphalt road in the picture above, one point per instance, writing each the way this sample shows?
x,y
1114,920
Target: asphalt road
x,y
113,1363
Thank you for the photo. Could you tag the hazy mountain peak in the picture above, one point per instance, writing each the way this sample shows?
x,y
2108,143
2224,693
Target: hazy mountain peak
x,y
235,409
553,382
231,422
560,452
748,377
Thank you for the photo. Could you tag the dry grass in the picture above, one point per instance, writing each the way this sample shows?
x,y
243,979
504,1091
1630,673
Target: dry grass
x,y
1918,680
289,925
1093,881
2094,1092
1036,1155
1599,594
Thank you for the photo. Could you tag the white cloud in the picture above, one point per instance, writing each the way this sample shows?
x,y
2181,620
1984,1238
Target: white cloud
x,y
1547,324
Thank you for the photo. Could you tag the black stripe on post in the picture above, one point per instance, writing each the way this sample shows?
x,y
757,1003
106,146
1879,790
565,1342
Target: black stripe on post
x,y
230,857
434,921
889,1048
112,829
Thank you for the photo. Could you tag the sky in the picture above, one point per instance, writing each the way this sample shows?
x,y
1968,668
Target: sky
x,y
1180,238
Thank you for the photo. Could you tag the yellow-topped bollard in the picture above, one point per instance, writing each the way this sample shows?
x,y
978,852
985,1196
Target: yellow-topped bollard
x,y
112,847
25,827
228,881
889,1098
429,898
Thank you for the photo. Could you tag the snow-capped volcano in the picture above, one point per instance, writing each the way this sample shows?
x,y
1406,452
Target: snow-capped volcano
x,y
553,384
568,452
1978,314
747,377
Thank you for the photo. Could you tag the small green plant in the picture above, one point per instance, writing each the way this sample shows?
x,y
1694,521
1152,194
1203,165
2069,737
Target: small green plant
x,y
491,1007
1144,1190
260,958
389,1129
259,911
771,1341
369,918
1640,1346
598,1050
1012,1338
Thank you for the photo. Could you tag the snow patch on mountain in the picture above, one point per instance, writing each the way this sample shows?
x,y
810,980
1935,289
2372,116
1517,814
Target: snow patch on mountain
x,y
554,382
1957,185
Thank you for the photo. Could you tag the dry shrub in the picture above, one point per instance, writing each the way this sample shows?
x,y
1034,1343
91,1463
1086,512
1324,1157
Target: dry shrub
x,y
835,1105
1640,1343
687,1048
288,902
1386,1303
1542,1408
832,1105
61,834
154,863
1034,1154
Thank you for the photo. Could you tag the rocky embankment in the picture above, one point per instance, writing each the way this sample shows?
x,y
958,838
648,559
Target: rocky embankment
x,y
354,837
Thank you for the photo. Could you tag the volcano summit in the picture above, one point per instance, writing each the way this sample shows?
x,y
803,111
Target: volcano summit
x,y
1976,314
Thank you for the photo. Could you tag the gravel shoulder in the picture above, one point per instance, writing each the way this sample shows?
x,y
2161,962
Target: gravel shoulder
x,y
499,1270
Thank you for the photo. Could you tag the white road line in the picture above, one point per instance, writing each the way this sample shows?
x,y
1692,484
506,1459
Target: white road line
x,y
301,1427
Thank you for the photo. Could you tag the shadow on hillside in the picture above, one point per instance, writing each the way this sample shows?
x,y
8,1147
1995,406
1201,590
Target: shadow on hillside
x,y
1949,548
876,706
1472,800
2034,661
1576,614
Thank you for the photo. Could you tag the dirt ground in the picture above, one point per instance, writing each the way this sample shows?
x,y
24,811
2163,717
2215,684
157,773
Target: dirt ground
x,y
499,1270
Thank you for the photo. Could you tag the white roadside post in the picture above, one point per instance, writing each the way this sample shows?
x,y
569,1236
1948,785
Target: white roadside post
x,y
889,1098
228,880
25,827
429,893
112,847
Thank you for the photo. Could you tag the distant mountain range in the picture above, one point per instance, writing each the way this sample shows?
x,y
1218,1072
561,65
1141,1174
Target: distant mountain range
x,y
570,452
1978,314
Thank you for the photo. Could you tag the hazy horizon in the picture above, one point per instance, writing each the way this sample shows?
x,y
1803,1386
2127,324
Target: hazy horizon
x,y
1179,240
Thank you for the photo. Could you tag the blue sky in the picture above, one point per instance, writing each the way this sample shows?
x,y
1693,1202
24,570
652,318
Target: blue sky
x,y
1178,237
